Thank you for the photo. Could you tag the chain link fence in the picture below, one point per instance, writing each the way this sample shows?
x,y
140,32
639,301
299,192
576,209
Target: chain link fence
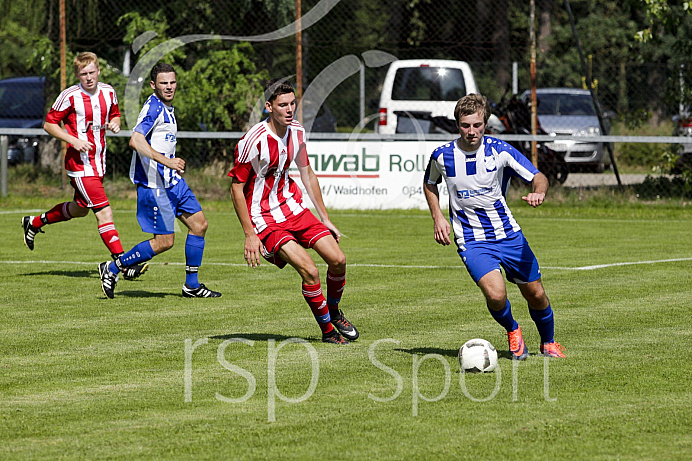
x,y
225,50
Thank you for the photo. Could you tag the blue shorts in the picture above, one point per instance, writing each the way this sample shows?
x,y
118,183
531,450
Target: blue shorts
x,y
158,208
513,254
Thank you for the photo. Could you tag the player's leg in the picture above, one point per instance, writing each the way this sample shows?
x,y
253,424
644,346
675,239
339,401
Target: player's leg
x,y
77,208
522,268
194,251
542,314
155,216
295,255
107,230
90,193
483,264
331,253
111,238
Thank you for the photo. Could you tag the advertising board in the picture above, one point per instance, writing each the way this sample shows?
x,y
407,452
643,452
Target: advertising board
x,y
370,175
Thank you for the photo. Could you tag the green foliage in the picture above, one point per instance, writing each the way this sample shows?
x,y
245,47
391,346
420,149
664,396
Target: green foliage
x,y
656,187
220,89
136,24
217,83
19,32
643,154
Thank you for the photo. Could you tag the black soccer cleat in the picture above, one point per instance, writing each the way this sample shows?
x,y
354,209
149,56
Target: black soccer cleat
x,y
333,337
345,327
29,232
200,292
108,280
132,272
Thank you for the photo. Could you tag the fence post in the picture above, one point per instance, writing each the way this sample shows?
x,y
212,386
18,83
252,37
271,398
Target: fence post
x,y
4,147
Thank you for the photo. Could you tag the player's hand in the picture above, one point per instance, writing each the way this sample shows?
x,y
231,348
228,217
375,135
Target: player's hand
x,y
114,127
442,230
176,164
534,198
333,230
253,250
82,145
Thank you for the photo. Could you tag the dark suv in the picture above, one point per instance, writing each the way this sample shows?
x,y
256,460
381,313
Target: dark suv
x,y
22,101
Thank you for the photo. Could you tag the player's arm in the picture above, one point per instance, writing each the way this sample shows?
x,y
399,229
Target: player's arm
x,y
539,185
441,224
312,187
57,132
253,245
114,125
139,143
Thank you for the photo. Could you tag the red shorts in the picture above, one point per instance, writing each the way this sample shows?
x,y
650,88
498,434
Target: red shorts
x,y
305,229
89,192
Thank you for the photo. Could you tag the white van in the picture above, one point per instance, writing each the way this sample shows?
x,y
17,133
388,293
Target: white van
x,y
422,88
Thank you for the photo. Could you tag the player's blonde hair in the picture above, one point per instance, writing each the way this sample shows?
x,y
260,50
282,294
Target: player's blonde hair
x,y
84,59
472,104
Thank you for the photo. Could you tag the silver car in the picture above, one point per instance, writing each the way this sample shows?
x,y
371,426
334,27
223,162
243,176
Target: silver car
x,y
570,111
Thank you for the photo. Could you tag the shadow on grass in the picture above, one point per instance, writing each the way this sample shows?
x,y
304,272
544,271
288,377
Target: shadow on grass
x,y
145,294
447,352
431,350
504,355
64,273
261,337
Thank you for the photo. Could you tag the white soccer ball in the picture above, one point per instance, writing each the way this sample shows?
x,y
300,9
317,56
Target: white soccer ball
x,y
477,356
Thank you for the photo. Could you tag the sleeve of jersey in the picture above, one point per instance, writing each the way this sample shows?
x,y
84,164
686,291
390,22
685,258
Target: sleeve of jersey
x,y
302,155
147,119
432,171
56,116
59,110
115,110
241,170
521,165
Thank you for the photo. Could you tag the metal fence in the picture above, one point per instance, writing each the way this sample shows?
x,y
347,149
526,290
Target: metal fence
x,y
339,53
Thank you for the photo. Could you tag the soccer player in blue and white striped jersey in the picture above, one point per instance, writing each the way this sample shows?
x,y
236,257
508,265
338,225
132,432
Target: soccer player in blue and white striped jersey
x,y
162,194
476,170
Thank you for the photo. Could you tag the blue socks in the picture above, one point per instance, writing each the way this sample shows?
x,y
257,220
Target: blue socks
x,y
138,254
504,317
545,323
194,250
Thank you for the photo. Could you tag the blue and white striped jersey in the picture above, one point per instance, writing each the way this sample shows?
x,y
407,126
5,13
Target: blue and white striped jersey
x,y
157,123
477,183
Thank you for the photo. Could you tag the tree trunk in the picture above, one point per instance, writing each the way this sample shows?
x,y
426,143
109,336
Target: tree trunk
x,y
544,26
500,42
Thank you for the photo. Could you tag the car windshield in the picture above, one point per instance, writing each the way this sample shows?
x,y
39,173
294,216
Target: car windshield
x,y
428,84
565,104
21,101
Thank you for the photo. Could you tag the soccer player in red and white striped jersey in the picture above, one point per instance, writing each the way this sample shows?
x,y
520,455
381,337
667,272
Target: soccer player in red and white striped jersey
x,y
270,208
87,110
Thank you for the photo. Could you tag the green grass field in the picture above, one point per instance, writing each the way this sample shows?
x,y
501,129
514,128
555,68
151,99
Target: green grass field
x,y
85,377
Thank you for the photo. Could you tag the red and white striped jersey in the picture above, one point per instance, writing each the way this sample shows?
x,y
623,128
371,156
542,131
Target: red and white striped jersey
x,y
85,117
262,162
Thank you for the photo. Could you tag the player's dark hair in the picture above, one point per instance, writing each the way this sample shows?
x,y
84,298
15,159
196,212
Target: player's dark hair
x,y
472,104
160,68
276,87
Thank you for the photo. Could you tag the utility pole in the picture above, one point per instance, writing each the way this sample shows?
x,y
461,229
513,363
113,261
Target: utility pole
x,y
534,112
63,79
299,62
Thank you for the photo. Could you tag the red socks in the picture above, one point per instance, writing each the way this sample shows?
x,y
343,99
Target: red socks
x,y
111,238
335,287
58,213
61,212
318,306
